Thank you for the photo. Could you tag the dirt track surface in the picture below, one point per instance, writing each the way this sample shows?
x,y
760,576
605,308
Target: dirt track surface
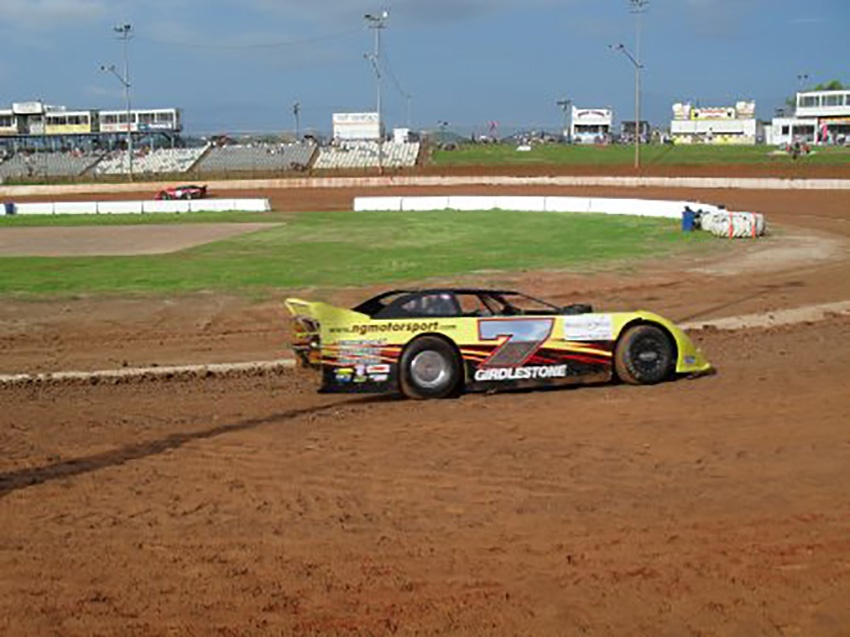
x,y
250,505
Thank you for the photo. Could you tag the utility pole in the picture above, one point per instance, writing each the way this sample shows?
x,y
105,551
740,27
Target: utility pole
x,y
378,23
125,32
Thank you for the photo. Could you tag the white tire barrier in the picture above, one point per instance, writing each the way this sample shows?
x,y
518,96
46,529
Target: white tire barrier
x,y
733,225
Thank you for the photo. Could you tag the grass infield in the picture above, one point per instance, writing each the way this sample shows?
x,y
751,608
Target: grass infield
x,y
336,249
623,154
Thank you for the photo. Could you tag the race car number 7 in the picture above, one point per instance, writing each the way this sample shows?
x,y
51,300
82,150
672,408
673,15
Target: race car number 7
x,y
521,338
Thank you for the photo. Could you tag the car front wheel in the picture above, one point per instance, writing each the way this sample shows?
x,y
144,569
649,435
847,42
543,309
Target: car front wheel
x,y
644,356
430,368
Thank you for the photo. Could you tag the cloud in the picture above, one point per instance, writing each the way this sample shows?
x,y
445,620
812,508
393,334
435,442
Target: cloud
x,y
404,11
47,14
720,19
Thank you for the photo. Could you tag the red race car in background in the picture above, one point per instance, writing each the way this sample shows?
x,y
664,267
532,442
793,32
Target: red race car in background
x,y
187,191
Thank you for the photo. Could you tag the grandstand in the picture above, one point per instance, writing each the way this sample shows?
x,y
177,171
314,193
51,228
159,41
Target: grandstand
x,y
367,154
39,141
47,164
256,158
159,161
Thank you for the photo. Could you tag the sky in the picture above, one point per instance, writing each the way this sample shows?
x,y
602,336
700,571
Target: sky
x,y
240,66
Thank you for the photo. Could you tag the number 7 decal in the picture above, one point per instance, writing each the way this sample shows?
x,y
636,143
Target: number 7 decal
x,y
521,338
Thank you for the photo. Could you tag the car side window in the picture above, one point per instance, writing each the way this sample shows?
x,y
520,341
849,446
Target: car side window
x,y
473,305
438,304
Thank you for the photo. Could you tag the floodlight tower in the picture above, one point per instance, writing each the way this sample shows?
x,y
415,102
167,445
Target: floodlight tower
x,y
802,79
565,104
296,112
622,48
125,32
638,8
377,23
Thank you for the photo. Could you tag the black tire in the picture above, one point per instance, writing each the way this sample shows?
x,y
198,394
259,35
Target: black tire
x,y
644,356
429,368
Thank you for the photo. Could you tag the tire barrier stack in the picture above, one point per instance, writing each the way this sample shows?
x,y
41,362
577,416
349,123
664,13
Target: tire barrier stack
x,y
733,225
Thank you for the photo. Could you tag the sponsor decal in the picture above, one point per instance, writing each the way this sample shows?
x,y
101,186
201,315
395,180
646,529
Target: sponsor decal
x,y
378,373
521,373
410,327
360,352
589,327
344,374
519,339
360,374
690,360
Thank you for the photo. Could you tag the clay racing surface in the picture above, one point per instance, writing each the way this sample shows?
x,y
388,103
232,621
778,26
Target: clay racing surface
x,y
250,505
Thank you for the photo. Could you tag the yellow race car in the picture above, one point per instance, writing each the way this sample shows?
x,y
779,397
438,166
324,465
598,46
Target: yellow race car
x,y
436,343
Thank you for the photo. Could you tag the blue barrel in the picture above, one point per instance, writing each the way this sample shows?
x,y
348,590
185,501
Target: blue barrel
x,y
10,207
688,220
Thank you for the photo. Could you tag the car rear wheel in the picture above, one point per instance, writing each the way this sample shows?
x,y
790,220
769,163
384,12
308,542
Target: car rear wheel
x,y
644,356
430,368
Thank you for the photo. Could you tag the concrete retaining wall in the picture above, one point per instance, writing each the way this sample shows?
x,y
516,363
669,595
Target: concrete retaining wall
x,y
139,207
9,193
671,209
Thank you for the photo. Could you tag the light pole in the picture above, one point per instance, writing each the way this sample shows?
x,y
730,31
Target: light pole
x,y
638,7
443,124
408,101
296,112
625,51
125,33
565,105
377,23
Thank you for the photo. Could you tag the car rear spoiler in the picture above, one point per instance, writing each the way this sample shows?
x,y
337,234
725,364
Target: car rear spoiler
x,y
310,318
321,312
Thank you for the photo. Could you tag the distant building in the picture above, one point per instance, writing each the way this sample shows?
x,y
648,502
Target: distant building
x,y
627,131
591,125
356,126
35,121
715,124
820,117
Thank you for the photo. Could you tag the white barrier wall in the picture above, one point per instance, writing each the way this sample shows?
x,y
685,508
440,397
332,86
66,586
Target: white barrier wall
x,y
599,205
167,206
140,207
120,207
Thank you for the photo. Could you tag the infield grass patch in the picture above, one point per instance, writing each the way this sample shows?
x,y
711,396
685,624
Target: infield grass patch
x,y
336,249
622,154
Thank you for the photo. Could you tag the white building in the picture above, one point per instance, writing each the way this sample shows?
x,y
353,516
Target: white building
x,y
591,125
356,126
715,124
820,117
